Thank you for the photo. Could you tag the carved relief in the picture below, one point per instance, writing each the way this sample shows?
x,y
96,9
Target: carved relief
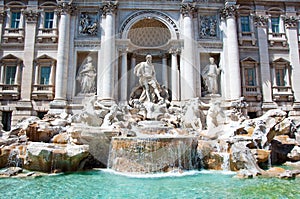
x,y
208,26
88,24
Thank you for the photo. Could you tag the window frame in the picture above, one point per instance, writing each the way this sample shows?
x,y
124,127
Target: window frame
x,y
243,24
48,21
15,22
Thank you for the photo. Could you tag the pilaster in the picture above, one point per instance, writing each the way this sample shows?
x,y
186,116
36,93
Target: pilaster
x,y
261,22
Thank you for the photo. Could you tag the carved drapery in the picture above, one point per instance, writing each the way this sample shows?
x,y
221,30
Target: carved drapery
x,y
109,7
30,15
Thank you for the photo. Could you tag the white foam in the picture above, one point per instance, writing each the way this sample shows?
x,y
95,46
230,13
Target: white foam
x,y
174,173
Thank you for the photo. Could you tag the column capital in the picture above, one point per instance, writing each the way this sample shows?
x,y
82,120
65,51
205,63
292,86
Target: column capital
x,y
291,21
229,11
64,8
31,15
123,49
261,20
109,7
174,51
187,9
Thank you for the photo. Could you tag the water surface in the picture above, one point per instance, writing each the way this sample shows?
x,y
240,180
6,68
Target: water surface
x,y
104,184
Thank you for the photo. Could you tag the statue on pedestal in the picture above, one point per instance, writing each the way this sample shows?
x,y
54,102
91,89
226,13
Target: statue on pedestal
x,y
210,75
87,76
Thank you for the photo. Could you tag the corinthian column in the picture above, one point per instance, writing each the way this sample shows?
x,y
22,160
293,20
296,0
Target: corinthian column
x,y
187,67
292,35
228,13
108,52
65,9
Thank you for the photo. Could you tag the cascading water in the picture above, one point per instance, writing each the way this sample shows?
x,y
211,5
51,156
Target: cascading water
x,y
150,155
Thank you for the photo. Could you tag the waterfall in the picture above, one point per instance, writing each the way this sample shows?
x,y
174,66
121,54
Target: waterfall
x,y
152,154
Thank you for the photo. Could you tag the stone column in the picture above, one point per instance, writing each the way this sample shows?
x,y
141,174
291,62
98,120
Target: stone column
x,y
124,77
292,35
188,82
174,75
2,17
108,51
165,71
60,99
31,17
262,35
233,62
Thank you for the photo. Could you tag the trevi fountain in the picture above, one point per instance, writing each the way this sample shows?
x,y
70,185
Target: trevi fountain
x,y
151,147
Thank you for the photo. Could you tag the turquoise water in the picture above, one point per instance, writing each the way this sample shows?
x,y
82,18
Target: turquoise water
x,y
104,184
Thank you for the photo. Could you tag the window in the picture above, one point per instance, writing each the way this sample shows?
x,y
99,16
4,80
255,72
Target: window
x,y
280,76
250,79
15,19
45,75
275,24
10,74
6,120
48,23
245,23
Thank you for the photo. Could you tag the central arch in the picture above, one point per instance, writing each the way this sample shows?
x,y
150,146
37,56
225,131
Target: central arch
x,y
150,15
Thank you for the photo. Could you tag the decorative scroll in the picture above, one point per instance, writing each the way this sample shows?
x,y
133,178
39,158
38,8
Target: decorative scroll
x,y
109,7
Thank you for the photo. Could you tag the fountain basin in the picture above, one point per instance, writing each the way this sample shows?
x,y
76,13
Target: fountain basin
x,y
152,154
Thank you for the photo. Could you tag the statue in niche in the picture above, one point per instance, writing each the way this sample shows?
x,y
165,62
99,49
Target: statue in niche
x,y
87,26
87,76
151,88
210,75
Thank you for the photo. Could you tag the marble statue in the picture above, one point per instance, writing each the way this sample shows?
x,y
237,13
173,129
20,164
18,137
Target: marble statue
x,y
210,75
87,76
215,115
192,115
146,73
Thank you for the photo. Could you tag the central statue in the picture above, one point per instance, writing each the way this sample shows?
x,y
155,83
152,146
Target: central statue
x,y
146,73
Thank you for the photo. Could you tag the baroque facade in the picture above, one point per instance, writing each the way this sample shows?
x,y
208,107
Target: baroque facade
x,y
54,54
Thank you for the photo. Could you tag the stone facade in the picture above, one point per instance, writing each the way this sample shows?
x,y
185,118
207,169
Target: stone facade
x,y
53,54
